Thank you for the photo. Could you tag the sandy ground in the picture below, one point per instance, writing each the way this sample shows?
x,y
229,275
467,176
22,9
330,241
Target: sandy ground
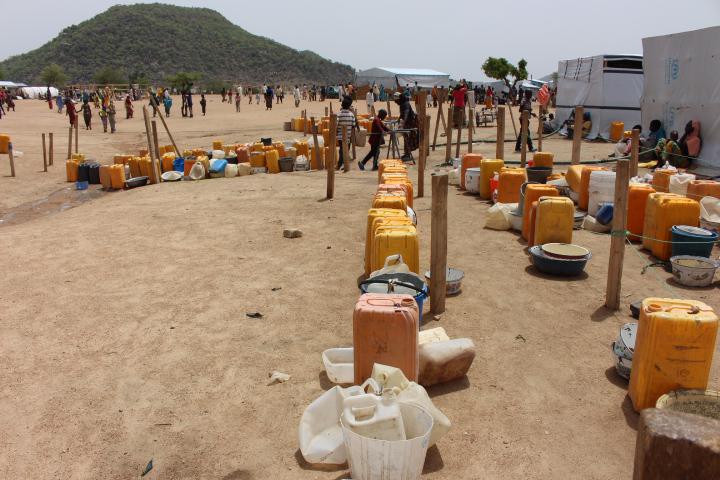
x,y
124,334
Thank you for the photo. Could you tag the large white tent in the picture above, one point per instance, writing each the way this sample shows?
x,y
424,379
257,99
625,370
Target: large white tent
x,y
391,77
682,73
609,87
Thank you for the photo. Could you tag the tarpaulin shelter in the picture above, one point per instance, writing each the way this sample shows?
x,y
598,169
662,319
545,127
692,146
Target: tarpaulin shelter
x,y
391,77
609,87
681,84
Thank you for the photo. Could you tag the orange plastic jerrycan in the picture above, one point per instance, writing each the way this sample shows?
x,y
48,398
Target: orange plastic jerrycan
x,y
543,159
390,200
703,188
673,349
533,192
105,178
373,214
383,164
469,160
509,182
395,240
272,158
637,201
71,170
117,176
385,330
661,179
662,212
554,220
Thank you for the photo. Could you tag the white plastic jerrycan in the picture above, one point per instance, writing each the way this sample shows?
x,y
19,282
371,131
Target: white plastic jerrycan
x,y
376,417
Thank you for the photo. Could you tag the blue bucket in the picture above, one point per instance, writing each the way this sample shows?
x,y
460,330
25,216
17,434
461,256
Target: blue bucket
x,y
81,185
179,164
703,241
605,214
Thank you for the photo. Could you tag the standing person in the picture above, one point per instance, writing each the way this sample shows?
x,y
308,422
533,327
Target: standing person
x,y
377,139
49,98
249,94
322,93
257,97
183,103
525,106
434,95
111,116
280,93
304,92
203,103
409,121
189,102
59,102
345,122
230,95
223,93
376,92
296,96
70,111
370,100
87,115
167,102
458,97
103,118
268,98
129,107
238,99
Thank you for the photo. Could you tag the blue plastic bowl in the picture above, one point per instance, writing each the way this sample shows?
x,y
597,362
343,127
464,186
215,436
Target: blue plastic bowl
x,y
81,185
704,241
563,267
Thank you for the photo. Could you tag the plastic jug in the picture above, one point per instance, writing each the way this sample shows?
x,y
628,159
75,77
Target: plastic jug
x,y
584,192
509,182
117,176
167,162
302,148
197,172
385,330
316,161
390,200
554,219
231,170
272,158
217,144
663,211
71,170
680,183
243,169
488,168
374,416
257,160
543,159
673,349
472,180
533,192
573,177
637,201
703,188
469,160
373,214
5,144
661,179
616,131
601,189
391,240
383,164
105,177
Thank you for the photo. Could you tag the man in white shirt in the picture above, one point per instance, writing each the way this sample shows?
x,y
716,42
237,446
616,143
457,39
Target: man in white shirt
x,y
370,100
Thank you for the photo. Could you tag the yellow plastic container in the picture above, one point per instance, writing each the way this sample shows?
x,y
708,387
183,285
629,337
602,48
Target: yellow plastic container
x,y
317,160
4,143
105,177
373,214
554,220
673,349
117,176
390,200
509,182
71,170
134,164
532,193
257,160
302,148
167,162
543,159
637,202
662,212
298,124
407,183
393,240
661,179
572,177
257,147
383,164
80,157
616,131
488,168
272,158
469,160
217,145
383,222
121,159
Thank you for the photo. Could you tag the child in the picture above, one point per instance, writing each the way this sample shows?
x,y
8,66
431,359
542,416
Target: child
x,y
103,119
167,102
111,116
345,122
238,99
87,115
203,103
667,149
377,139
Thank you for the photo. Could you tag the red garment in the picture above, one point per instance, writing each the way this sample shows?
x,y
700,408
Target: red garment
x,y
459,96
376,132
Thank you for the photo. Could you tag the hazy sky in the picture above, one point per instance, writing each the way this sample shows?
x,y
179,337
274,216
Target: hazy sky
x,y
453,37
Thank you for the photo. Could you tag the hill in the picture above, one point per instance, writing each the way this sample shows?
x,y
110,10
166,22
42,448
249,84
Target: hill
x,y
153,41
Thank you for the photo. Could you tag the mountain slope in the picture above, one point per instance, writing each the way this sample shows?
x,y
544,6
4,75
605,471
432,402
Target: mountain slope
x,y
158,40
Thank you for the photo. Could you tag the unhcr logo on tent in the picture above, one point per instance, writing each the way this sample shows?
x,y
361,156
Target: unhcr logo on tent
x,y
672,70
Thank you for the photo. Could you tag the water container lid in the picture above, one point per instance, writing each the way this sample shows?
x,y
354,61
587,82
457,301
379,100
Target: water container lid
x,y
697,231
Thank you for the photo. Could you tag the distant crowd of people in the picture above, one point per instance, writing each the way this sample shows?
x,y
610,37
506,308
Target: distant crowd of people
x,y
678,151
7,103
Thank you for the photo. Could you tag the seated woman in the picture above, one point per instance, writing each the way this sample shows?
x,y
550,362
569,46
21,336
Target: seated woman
x,y
690,144
586,125
648,144
624,146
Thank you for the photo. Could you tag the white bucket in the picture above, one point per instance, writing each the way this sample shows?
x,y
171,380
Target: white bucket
x,y
472,180
371,459
601,190
679,183
339,364
454,177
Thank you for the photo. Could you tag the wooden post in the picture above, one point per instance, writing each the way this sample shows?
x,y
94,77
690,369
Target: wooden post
x,y
326,111
70,132
52,150
316,148
617,240
388,108
634,153
305,125
331,161
470,129
448,135
500,138
512,119
421,114
440,116
577,135
77,125
156,149
459,129
352,136
331,110
167,130
524,123
12,159
540,128
438,243
345,152
150,145
45,163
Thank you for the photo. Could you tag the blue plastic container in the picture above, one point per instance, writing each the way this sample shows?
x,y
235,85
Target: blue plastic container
x,y
81,185
703,241
218,166
179,164
605,214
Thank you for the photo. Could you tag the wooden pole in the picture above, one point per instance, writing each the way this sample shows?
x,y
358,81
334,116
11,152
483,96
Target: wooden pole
x,y
512,119
388,108
524,121
326,111
634,153
70,132
331,110
45,163
421,114
150,145
316,147
440,116
77,124
470,129
305,124
459,129
540,128
167,130
12,159
577,135
500,138
52,150
352,136
617,240
345,152
438,243
156,149
331,161
448,135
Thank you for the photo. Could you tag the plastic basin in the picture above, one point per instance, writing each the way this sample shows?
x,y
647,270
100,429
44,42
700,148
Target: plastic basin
x,y
538,174
702,241
563,267
339,364
693,271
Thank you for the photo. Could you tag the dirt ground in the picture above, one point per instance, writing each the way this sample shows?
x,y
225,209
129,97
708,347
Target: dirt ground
x,y
124,334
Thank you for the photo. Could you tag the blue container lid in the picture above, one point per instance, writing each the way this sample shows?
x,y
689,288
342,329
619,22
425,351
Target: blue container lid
x,y
695,232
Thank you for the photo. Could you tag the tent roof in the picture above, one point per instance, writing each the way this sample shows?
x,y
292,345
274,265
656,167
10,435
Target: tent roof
x,y
411,71
5,83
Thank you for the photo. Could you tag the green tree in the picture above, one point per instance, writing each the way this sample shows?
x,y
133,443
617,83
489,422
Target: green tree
x,y
109,75
138,77
53,75
2,73
500,69
183,80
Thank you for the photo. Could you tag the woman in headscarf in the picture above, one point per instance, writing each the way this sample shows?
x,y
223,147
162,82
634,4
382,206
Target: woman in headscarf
x,y
128,107
409,121
70,111
87,115
691,142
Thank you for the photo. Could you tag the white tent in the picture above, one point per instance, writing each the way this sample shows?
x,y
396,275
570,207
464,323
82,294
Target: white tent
x,y
608,86
37,92
391,77
681,84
